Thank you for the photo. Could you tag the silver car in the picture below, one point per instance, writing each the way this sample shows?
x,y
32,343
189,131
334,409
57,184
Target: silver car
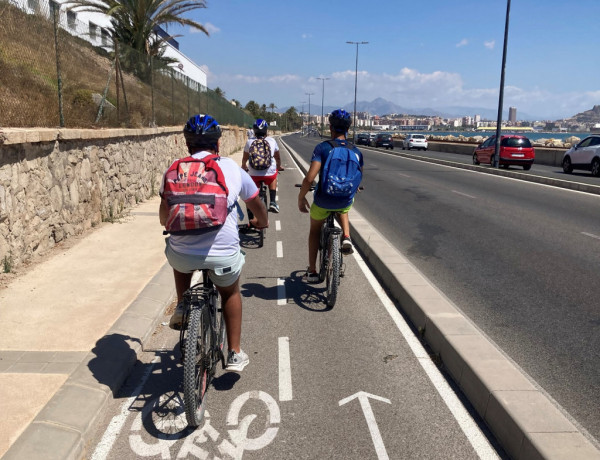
x,y
414,141
585,155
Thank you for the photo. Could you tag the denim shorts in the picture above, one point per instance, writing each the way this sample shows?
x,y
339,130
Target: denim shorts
x,y
223,270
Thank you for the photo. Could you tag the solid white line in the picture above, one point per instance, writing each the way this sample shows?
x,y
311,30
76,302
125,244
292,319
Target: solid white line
x,y
285,370
465,421
591,235
281,298
278,225
463,194
116,424
279,249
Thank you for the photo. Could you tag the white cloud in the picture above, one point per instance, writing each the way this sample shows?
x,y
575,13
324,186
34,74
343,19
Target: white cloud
x,y
409,88
305,36
463,42
490,44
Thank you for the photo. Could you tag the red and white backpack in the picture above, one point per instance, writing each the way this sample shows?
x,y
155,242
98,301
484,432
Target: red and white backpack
x,y
196,195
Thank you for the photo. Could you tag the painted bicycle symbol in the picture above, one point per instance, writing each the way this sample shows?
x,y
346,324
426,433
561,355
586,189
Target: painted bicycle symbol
x,y
195,444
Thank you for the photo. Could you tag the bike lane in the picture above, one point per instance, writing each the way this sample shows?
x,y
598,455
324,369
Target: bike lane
x,y
321,383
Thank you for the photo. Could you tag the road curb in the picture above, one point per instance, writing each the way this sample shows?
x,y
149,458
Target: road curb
x,y
63,428
526,423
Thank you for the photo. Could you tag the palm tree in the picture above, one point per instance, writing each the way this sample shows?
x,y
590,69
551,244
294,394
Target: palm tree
x,y
134,21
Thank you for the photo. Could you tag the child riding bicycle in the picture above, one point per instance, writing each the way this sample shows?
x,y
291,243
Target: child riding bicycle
x,y
214,249
329,198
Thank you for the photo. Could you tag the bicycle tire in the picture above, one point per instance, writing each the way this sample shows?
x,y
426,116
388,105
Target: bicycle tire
x,y
333,269
196,365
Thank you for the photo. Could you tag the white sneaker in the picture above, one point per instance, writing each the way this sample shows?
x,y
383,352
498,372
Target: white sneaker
x,y
236,361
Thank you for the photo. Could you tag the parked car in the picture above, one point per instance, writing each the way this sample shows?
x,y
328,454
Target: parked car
x,y
372,138
514,150
363,139
415,141
384,140
585,155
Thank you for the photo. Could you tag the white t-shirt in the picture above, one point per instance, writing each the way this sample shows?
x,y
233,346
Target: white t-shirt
x,y
271,170
226,240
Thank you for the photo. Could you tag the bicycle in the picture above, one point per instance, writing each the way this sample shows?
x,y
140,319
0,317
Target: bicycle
x,y
330,257
262,193
201,343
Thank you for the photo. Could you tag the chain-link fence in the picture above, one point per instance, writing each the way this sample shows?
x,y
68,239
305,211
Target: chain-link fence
x,y
58,71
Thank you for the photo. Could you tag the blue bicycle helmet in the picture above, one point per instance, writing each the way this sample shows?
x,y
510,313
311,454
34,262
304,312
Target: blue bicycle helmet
x,y
340,120
260,127
202,131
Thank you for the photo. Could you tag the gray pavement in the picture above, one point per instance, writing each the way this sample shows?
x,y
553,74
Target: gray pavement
x,y
72,327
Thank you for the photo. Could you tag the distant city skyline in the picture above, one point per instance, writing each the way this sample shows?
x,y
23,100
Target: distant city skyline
x,y
449,55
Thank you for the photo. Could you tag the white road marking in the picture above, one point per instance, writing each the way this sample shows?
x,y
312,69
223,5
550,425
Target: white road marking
x,y
239,436
116,424
463,194
279,249
402,174
278,225
281,297
591,235
465,421
285,370
363,398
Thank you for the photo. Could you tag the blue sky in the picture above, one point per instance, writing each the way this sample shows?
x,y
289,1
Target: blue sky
x,y
421,54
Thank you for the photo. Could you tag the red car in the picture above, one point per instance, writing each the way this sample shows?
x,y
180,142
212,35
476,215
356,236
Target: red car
x,y
515,150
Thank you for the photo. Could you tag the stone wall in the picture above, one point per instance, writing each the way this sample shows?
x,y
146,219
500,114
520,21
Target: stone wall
x,y
56,183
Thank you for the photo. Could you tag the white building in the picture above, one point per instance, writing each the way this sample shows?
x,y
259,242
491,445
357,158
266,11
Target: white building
x,y
96,28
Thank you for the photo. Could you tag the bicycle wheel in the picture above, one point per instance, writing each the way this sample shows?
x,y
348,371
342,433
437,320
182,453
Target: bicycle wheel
x,y
196,365
333,269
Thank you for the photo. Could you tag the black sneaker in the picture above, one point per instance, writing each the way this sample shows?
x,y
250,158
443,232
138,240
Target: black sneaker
x,y
347,246
274,207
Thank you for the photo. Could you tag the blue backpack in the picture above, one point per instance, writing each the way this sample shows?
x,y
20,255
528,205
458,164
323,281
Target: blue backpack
x,y
341,174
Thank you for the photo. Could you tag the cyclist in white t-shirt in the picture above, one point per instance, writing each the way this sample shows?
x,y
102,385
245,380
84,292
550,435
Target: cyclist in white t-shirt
x,y
217,251
269,175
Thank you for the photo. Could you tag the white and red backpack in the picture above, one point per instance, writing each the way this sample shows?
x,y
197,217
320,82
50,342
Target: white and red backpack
x,y
196,195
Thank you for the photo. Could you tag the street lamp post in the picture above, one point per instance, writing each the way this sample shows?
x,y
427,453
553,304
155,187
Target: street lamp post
x,y
302,116
322,99
309,95
501,97
355,82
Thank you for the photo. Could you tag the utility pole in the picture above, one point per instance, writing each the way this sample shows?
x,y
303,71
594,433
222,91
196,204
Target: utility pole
x,y
309,95
501,97
355,84
322,100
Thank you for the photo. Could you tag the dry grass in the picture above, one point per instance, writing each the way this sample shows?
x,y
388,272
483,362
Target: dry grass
x,y
29,83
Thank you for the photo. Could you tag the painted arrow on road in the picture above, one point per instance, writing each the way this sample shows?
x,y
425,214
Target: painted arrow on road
x,y
363,397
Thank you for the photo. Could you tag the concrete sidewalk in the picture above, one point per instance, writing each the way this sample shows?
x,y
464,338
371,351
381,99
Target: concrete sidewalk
x,y
70,331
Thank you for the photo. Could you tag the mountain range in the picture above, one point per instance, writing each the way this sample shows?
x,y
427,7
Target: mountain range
x,y
382,106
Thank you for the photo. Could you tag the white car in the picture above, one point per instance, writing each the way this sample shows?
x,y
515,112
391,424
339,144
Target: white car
x,y
585,155
414,141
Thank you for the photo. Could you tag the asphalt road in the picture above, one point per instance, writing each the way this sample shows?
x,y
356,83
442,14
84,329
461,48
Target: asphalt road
x,y
520,259
308,367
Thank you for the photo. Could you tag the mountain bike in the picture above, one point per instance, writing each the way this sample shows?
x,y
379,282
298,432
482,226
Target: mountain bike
x,y
201,343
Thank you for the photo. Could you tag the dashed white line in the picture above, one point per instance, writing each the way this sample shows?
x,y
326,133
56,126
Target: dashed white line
x,y
465,421
285,370
279,249
281,297
278,225
591,235
463,194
